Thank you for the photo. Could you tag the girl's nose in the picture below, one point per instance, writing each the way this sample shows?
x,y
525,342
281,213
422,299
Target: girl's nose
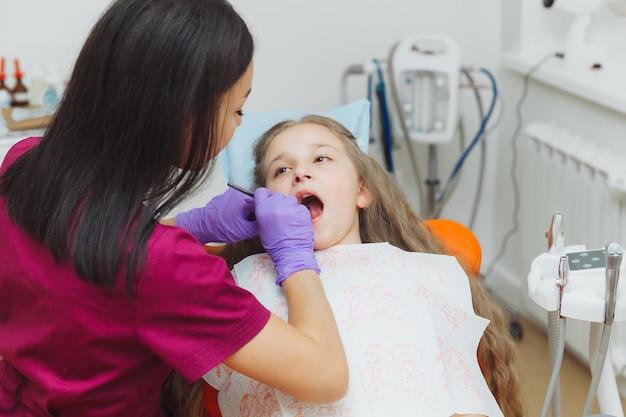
x,y
301,174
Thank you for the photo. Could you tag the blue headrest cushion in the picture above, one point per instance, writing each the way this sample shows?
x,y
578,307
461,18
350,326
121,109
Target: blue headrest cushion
x,y
236,158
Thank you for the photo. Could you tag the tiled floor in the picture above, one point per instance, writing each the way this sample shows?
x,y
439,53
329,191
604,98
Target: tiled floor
x,y
535,375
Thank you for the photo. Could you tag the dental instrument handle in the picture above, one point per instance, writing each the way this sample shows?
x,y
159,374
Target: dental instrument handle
x,y
614,254
556,234
251,217
240,188
562,280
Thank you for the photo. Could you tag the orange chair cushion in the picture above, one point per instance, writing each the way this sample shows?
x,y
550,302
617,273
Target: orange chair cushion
x,y
209,401
458,241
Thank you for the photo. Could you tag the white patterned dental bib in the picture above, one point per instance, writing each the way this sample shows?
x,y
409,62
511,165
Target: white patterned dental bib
x,y
408,327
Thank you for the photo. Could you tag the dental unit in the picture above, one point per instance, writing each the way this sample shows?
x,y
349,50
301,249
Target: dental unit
x,y
574,282
417,88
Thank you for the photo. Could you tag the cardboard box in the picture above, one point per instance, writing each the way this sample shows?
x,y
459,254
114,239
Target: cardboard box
x,y
26,124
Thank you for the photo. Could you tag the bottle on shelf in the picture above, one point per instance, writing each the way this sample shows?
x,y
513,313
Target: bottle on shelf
x,y
19,94
5,93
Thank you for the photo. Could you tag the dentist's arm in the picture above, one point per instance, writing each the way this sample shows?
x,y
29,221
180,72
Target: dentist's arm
x,y
304,356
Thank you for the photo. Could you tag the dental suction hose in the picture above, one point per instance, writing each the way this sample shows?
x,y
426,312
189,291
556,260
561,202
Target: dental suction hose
x,y
553,393
556,245
614,254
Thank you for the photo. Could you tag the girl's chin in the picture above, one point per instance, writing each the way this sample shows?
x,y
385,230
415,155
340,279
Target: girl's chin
x,y
321,246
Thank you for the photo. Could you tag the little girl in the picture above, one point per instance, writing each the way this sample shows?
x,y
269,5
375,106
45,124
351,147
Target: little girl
x,y
404,310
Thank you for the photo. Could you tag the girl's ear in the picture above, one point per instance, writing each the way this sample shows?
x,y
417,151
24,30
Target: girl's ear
x,y
363,197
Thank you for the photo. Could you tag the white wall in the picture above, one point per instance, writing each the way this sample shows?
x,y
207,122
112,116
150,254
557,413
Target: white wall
x,y
530,32
302,46
45,35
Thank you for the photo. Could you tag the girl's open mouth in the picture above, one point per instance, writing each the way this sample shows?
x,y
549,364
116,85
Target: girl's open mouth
x,y
313,203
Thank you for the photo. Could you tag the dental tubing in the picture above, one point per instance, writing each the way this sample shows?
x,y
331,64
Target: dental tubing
x,y
614,254
553,393
556,243
554,324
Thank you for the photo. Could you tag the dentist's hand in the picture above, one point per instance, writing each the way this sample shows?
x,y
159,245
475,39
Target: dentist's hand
x,y
286,232
223,220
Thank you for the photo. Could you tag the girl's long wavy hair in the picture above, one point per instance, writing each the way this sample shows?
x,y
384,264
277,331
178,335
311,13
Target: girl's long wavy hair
x,y
389,218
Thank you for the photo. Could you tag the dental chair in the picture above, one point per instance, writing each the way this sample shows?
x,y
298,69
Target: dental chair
x,y
236,160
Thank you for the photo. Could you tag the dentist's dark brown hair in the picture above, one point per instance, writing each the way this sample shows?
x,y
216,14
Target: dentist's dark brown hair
x,y
146,88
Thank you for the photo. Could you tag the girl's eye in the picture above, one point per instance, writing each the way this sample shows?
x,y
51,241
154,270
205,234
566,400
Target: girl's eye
x,y
239,113
280,171
322,159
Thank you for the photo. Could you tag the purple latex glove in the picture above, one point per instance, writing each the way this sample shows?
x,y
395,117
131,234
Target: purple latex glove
x,y
286,232
225,219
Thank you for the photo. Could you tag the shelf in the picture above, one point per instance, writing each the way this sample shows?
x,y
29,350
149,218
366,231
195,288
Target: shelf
x,y
16,135
606,87
8,139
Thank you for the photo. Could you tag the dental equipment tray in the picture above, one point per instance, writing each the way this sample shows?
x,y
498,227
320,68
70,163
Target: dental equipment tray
x,y
584,260
583,298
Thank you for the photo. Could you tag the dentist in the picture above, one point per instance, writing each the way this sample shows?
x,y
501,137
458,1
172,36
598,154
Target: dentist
x,y
99,300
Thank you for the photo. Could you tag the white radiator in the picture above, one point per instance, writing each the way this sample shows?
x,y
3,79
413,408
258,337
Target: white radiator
x,y
567,172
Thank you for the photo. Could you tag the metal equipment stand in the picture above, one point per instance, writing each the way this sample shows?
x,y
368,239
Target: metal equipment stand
x,y
575,282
